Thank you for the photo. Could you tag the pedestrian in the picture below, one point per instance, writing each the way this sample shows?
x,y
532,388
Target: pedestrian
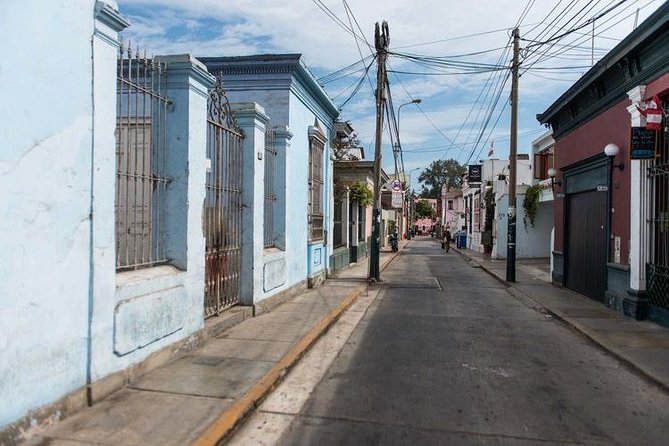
x,y
445,244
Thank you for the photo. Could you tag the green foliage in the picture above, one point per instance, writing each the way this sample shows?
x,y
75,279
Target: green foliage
x,y
423,209
361,194
530,204
440,172
341,147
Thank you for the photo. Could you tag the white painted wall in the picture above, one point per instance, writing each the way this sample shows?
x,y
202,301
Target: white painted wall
x,y
68,318
531,242
46,123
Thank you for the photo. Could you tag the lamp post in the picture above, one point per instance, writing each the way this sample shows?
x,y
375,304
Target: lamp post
x,y
399,149
610,150
411,207
399,110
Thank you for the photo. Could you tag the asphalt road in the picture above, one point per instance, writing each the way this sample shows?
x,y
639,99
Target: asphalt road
x,y
445,355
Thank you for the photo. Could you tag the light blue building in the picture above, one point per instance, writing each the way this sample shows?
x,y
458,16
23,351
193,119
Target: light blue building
x,y
300,116
100,275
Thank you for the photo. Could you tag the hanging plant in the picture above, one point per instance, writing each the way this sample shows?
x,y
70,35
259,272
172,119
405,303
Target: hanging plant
x,y
530,204
361,194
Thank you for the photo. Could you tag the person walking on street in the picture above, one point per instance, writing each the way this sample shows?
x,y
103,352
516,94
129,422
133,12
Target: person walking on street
x,y
447,240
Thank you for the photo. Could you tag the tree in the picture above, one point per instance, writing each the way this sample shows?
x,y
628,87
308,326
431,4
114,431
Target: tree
x,y
423,209
440,172
341,147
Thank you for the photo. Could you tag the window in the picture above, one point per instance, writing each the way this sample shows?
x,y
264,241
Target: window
x,y
338,224
316,148
141,157
477,212
361,223
270,187
450,205
542,162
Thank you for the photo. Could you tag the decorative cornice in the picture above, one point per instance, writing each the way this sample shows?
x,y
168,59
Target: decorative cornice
x,y
296,77
637,59
109,16
283,132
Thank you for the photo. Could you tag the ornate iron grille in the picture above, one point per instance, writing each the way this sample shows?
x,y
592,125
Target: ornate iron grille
x,y
141,157
270,187
223,206
657,270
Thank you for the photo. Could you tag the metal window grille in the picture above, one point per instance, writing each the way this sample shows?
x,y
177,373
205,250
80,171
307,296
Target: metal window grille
x,y
141,156
316,148
338,224
657,269
223,206
270,187
361,223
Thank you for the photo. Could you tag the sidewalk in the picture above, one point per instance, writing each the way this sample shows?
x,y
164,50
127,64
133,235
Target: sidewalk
x,y
199,398
642,345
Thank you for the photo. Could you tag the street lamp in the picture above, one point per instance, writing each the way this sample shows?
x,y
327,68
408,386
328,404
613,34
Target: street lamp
x,y
610,150
399,110
411,205
399,145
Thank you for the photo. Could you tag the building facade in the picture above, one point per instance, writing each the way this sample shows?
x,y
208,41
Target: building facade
x,y
611,239
295,105
121,267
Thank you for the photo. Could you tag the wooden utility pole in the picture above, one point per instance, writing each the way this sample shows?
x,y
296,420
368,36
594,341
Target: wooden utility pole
x,y
513,150
381,41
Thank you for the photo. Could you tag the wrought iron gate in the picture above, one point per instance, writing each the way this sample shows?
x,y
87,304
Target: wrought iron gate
x,y
657,273
223,206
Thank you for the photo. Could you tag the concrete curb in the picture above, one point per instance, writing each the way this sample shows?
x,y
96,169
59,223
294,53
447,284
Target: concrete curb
x,y
228,420
584,330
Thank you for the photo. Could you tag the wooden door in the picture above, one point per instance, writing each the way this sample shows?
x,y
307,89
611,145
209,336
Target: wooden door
x,y
586,244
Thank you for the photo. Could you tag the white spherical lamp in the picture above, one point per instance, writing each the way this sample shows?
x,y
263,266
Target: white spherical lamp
x,y
551,172
611,150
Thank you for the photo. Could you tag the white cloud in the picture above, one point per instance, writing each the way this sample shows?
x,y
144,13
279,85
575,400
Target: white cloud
x,y
237,27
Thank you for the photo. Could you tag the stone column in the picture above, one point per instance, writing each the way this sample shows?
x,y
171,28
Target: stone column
x,y
283,135
108,23
252,120
635,303
188,82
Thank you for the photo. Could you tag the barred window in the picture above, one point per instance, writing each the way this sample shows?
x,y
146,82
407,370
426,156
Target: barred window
x,y
316,148
270,187
141,158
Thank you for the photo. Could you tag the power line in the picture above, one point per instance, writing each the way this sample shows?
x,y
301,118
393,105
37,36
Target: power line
x,y
348,10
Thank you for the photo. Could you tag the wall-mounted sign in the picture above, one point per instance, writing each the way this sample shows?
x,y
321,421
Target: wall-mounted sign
x,y
396,185
474,173
642,143
396,201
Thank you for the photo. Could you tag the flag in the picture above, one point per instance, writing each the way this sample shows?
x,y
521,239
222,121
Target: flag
x,y
492,149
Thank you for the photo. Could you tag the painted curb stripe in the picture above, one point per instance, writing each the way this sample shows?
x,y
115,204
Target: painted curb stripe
x,y
226,421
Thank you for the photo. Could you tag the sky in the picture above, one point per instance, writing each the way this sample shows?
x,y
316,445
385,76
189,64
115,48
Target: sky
x,y
453,55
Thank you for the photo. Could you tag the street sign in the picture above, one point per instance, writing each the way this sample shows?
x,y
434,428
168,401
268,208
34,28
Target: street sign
x,y
474,173
395,185
397,199
642,143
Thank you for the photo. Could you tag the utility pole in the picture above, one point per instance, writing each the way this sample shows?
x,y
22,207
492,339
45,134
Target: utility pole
x,y
513,150
381,41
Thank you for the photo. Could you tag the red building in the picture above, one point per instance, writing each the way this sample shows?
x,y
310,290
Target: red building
x,y
612,209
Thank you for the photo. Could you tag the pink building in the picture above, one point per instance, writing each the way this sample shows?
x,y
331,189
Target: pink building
x,y
423,226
